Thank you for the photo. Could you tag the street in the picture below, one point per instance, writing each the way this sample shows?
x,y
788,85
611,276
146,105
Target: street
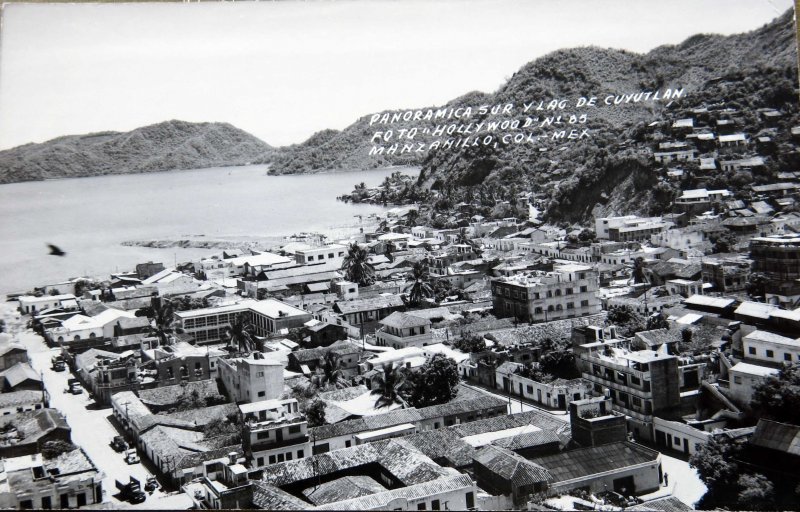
x,y
91,429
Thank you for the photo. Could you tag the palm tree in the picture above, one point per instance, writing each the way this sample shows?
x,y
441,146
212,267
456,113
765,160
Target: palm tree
x,y
390,247
162,319
331,369
411,218
356,267
388,385
420,287
639,274
240,334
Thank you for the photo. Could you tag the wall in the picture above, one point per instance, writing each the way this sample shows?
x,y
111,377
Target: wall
x,y
689,438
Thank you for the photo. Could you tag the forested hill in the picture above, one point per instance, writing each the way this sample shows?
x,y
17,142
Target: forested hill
x,y
568,73
167,146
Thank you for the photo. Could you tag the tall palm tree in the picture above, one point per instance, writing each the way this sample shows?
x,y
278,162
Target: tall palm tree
x,y
388,385
356,267
420,287
331,369
163,317
241,334
639,272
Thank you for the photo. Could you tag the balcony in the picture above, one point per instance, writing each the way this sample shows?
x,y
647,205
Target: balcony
x,y
272,444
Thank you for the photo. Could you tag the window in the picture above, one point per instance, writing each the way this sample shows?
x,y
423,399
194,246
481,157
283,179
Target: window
x,y
770,353
348,444
263,435
570,305
260,461
294,429
676,441
259,374
530,389
26,504
584,303
435,505
737,379
584,289
568,291
300,454
288,455
47,502
281,457
330,255
272,459
262,393
751,351
421,506
787,357
470,500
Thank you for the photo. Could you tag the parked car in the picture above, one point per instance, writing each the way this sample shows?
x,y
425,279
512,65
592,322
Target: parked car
x,y
119,444
58,364
132,491
74,386
131,457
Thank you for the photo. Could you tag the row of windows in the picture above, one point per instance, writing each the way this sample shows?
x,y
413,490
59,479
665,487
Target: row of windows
x,y
280,457
202,321
558,307
771,354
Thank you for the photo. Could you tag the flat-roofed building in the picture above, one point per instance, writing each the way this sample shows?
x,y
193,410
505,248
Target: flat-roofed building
x,y
273,431
766,348
568,291
401,330
745,377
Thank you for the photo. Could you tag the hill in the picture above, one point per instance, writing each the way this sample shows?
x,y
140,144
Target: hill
x,y
167,146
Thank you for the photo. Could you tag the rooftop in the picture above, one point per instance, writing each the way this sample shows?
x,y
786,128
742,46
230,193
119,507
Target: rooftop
x,y
512,467
580,463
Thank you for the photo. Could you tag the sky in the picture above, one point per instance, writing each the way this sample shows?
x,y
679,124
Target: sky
x,y
284,70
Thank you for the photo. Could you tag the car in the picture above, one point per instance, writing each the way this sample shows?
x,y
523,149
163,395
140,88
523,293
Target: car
x,y
119,444
59,366
76,389
131,457
137,497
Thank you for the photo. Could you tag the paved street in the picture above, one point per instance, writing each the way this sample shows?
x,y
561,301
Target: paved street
x,y
91,429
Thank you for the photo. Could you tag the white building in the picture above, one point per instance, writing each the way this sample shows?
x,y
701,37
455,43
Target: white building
x,y
744,378
28,304
401,330
770,349
274,431
333,253
250,379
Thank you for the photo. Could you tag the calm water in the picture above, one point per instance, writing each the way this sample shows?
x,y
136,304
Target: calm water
x,y
89,217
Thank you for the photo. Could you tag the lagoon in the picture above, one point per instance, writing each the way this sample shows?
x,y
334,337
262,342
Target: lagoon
x,y
89,217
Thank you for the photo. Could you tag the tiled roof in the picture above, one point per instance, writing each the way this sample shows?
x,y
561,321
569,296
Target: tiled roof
x,y
460,407
659,336
313,354
5,348
535,418
269,497
528,440
405,463
35,424
511,466
369,304
402,320
668,504
583,462
443,443
559,329
341,489
777,436
22,397
204,415
382,500
169,395
344,393
19,373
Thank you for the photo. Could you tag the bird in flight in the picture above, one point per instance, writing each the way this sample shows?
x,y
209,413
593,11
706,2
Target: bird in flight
x,y
55,251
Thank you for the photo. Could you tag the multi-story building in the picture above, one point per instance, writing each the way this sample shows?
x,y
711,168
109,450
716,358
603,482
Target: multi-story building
x,y
641,384
568,291
333,253
778,258
67,481
627,227
745,377
269,318
401,330
273,431
726,274
252,378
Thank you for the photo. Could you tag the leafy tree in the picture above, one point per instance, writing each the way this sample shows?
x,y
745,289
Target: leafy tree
x,y
778,397
52,449
470,342
638,273
436,382
315,413
628,321
757,284
534,372
724,241
356,267
559,363
715,466
420,287
190,401
756,492
388,386
241,334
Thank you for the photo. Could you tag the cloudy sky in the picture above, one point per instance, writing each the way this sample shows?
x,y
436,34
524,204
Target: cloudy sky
x,y
283,70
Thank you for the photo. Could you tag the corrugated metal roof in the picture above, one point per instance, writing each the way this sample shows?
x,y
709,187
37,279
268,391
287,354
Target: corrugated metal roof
x,y
777,436
583,462
511,467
